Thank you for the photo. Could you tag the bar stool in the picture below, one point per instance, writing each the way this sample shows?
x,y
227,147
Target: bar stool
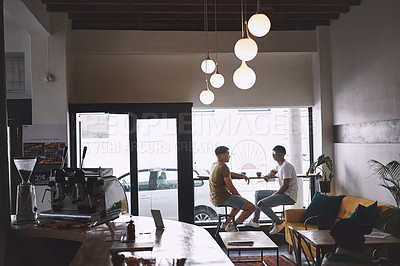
x,y
226,215
283,211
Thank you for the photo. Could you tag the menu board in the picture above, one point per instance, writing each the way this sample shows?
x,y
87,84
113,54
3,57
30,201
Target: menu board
x,y
46,143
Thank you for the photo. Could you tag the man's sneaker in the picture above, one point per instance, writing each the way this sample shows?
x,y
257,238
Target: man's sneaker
x,y
230,228
252,223
277,228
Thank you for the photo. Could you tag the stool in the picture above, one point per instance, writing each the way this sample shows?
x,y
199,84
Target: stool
x,y
283,211
226,215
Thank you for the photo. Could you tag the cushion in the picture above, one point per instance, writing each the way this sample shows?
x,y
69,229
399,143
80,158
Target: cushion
x,y
365,215
322,205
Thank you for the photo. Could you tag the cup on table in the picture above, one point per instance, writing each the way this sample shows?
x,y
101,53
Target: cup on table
x,y
258,174
243,173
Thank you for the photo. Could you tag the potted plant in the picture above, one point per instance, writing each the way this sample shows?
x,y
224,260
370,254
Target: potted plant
x,y
324,166
390,176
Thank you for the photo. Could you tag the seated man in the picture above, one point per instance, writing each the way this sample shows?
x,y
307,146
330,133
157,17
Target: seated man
x,y
287,193
349,242
224,193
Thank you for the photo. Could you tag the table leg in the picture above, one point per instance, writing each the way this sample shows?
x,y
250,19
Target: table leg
x,y
277,256
318,256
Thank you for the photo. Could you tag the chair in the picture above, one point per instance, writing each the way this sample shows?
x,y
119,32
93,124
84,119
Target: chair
x,y
386,255
324,222
226,215
298,247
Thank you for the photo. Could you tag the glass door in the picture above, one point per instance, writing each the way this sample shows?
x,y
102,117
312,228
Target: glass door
x,y
106,137
157,165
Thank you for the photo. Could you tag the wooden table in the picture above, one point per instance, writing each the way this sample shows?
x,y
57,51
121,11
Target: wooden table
x,y
261,242
323,241
178,240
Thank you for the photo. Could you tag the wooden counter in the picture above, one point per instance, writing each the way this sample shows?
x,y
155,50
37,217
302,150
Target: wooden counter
x,y
178,240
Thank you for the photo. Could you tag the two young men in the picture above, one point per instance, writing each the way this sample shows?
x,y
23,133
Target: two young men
x,y
224,193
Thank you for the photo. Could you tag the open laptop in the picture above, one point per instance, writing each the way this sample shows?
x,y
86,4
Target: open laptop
x,y
157,219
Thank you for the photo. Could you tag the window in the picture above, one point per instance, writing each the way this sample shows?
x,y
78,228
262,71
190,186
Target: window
x,y
15,72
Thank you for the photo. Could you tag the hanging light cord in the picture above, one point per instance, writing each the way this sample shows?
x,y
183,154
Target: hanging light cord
x,y
241,11
205,28
258,7
245,19
216,32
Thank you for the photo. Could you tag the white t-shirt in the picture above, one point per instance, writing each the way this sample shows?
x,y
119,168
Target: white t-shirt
x,y
287,171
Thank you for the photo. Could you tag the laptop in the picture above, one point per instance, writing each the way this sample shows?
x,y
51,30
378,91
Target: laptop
x,y
157,219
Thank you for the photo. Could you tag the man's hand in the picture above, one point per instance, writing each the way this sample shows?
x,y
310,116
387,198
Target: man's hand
x,y
247,179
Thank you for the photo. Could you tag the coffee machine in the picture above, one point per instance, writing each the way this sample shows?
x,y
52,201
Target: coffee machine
x,y
26,197
91,195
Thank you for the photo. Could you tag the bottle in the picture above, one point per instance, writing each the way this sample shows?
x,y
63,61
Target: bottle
x,y
130,231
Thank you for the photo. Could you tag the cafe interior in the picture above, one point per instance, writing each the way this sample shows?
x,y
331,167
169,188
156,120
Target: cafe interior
x,y
340,59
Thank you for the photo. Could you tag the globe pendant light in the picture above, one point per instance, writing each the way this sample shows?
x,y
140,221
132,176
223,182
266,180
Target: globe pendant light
x,y
207,96
208,65
217,80
259,24
244,77
246,49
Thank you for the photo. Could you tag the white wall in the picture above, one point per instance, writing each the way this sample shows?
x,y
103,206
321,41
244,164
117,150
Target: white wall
x,y
49,100
120,66
366,87
16,39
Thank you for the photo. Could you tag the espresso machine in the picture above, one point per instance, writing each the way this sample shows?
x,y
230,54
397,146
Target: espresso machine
x,y
26,197
88,195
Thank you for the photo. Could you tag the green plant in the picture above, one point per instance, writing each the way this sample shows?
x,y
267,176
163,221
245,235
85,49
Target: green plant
x,y
390,176
324,163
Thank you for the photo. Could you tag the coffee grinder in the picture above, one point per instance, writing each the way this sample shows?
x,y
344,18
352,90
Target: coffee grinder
x,y
26,197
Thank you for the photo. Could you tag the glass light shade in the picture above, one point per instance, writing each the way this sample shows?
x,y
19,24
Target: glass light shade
x,y
259,25
246,49
244,77
206,97
217,80
208,66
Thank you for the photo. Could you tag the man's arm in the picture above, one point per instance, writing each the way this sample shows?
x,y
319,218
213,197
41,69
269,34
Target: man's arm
x,y
230,186
284,187
239,176
270,175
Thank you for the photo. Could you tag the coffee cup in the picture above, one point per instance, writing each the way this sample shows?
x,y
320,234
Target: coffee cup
x,y
258,174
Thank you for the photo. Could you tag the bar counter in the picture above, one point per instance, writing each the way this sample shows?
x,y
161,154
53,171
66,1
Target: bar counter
x,y
177,241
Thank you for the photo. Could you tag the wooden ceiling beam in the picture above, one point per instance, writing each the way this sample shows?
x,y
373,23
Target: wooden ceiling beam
x,y
177,9
198,17
210,2
188,26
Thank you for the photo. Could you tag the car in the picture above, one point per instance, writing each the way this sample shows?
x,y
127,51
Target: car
x,y
158,189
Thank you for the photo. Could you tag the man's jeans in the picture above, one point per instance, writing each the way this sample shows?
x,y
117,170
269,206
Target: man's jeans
x,y
269,200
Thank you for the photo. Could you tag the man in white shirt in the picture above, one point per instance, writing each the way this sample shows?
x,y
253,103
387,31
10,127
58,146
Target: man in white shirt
x,y
285,195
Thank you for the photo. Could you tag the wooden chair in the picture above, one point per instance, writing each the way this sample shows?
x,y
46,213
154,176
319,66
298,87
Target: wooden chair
x,y
298,246
324,222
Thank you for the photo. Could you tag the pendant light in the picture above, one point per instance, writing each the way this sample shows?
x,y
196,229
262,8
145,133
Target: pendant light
x,y
259,24
208,65
245,48
216,79
207,96
244,77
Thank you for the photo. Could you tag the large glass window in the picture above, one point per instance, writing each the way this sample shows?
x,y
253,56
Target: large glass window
x,y
251,135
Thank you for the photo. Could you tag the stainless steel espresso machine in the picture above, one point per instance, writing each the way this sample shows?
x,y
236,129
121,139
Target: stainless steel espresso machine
x,y
26,198
90,195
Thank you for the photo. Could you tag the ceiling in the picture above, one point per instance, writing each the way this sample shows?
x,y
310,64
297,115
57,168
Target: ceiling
x,y
188,15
